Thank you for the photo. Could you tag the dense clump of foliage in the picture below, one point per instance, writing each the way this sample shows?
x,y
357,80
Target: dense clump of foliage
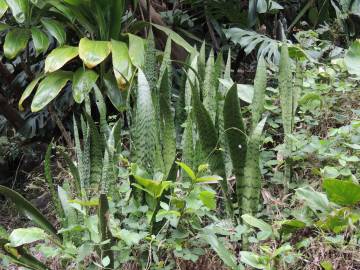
x,y
179,134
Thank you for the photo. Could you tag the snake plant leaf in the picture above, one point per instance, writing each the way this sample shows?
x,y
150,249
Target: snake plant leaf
x,y
74,171
59,57
103,216
136,50
15,42
19,9
121,63
235,137
56,29
23,236
166,65
28,90
40,39
83,82
258,101
28,210
49,88
144,131
93,52
3,8
251,187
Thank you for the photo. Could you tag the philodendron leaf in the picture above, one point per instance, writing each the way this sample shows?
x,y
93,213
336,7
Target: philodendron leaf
x,y
93,52
59,57
25,207
15,42
49,88
40,39
83,82
121,63
352,58
342,192
3,8
22,236
19,9
56,29
29,89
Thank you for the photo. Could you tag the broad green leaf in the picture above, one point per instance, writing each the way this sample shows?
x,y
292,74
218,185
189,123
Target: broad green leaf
x,y
22,236
49,88
289,226
326,265
225,254
19,9
342,192
209,179
15,42
257,223
175,37
315,200
59,57
352,58
187,169
56,29
245,91
29,89
26,208
83,82
93,52
121,63
252,259
3,8
40,39
113,91
208,198
4,27
136,50
154,187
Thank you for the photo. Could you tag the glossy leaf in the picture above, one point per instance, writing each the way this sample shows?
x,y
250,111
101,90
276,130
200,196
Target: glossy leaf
x,y
83,82
56,29
121,63
49,88
59,57
40,39
15,42
29,89
93,52
19,9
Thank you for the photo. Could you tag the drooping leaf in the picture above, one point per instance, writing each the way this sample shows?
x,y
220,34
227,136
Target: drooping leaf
x,y
93,52
257,105
19,9
59,57
29,89
83,82
56,29
26,208
40,39
49,88
15,42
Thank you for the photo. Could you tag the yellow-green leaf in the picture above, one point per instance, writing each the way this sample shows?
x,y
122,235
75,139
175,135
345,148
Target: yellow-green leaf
x,y
83,82
3,7
136,50
3,27
93,52
59,57
15,42
29,89
19,9
121,63
49,88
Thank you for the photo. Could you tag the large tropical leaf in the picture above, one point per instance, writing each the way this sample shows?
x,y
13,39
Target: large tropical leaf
x,y
15,42
83,82
121,63
93,52
59,57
